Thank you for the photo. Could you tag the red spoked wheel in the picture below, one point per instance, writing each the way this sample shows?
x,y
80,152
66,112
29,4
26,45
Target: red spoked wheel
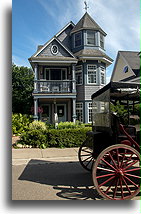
x,y
85,154
116,172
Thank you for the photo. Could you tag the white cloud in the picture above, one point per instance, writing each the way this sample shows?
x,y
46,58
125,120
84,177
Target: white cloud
x,y
19,61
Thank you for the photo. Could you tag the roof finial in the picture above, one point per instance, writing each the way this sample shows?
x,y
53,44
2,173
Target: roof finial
x,y
86,6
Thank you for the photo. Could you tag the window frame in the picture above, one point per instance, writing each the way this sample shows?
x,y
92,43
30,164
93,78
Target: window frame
x,y
102,72
80,39
90,108
81,109
101,40
94,33
95,71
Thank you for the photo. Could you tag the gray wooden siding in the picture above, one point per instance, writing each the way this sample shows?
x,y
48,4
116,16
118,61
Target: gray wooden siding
x,y
89,90
61,52
65,38
80,92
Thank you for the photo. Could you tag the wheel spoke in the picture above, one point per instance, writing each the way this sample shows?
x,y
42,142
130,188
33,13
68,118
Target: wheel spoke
x,y
134,176
117,156
131,170
115,190
122,194
128,160
86,151
107,181
107,190
104,169
131,181
131,164
112,159
108,164
87,158
103,176
123,159
126,185
89,162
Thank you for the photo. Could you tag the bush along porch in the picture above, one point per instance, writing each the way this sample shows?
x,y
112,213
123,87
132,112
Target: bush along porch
x,y
40,135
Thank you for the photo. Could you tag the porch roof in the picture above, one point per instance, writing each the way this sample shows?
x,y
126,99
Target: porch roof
x,y
49,59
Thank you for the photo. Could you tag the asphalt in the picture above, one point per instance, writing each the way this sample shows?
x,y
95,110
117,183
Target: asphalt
x,y
23,156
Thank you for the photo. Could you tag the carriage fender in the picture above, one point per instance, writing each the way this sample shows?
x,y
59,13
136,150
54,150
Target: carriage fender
x,y
126,142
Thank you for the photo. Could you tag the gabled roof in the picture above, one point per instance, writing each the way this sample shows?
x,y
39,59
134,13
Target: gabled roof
x,y
46,44
133,60
86,22
64,28
129,59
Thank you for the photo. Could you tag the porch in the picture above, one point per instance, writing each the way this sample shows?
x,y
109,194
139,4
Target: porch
x,y
51,86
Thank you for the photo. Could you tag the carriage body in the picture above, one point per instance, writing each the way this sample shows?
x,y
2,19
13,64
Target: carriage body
x,y
111,147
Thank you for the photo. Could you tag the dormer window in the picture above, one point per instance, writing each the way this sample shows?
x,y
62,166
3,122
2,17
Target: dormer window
x,y
91,37
78,39
101,41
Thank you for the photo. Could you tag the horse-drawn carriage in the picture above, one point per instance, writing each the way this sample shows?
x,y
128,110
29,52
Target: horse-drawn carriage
x,y
112,151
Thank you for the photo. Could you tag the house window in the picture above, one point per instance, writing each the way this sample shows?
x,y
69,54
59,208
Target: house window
x,y
54,49
79,111
101,41
78,39
91,40
90,112
102,75
92,74
78,74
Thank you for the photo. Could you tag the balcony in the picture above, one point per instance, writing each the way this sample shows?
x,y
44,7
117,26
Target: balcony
x,y
51,86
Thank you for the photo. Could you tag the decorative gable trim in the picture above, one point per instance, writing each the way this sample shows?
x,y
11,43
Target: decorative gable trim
x,y
64,28
46,44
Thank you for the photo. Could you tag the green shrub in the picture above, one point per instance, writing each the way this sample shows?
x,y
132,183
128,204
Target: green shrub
x,y
36,135
20,123
67,137
37,125
70,125
59,138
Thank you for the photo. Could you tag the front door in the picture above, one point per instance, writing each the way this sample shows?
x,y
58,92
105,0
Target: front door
x,y
61,112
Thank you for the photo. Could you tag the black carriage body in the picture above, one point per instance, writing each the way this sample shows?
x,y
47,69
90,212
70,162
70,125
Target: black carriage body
x,y
105,124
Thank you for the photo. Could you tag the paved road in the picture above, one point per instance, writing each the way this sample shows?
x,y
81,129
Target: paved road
x,y
51,175
52,181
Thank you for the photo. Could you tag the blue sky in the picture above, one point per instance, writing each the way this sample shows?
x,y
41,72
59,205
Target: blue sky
x,y
34,22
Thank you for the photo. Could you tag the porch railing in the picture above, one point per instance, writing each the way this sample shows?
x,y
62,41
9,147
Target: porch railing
x,y
51,86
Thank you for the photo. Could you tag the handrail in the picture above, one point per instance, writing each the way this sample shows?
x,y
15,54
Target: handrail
x,y
129,137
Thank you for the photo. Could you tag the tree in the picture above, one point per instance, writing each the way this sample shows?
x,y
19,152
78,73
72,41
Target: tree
x,y
22,88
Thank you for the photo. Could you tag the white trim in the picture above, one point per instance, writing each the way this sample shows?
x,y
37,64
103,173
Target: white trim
x,y
94,38
65,112
102,72
96,58
52,61
54,38
96,74
64,28
89,112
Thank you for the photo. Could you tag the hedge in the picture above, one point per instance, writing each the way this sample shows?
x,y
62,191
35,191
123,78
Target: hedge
x,y
54,138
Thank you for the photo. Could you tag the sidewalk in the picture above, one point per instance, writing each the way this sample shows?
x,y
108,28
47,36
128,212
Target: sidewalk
x,y
23,156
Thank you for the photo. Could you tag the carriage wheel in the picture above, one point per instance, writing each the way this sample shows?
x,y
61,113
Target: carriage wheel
x,y
119,177
85,154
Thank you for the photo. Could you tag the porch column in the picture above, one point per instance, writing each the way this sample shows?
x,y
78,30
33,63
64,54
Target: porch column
x,y
74,110
73,79
35,77
35,109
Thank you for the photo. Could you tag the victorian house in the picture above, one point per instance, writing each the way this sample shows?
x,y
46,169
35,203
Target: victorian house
x,y
68,69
